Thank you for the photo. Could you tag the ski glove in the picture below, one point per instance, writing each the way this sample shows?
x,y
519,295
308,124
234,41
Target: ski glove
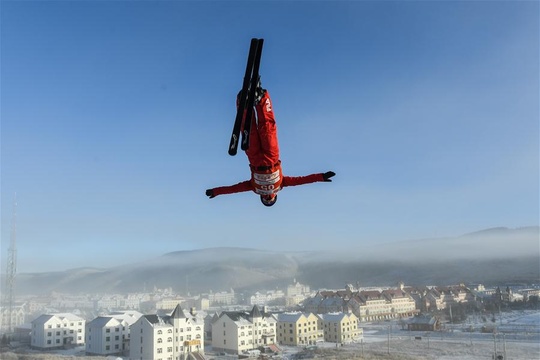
x,y
210,193
327,175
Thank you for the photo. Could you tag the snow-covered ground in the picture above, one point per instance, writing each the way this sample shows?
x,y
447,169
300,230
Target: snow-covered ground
x,y
516,336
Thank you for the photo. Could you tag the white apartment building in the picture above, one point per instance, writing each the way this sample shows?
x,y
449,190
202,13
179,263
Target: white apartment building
x,y
222,298
169,303
295,329
171,337
57,330
108,335
17,314
237,332
340,328
297,289
262,299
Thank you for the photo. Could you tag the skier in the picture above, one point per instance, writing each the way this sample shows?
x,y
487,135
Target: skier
x,y
263,155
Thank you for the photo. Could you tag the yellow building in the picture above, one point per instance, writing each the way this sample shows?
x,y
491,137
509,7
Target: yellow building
x,y
295,329
340,327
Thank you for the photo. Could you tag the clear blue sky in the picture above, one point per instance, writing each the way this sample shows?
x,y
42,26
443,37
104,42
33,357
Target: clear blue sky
x,y
116,116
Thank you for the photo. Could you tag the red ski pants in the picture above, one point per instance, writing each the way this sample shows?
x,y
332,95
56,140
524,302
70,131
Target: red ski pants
x,y
263,142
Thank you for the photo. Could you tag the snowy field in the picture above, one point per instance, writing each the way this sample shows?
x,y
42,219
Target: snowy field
x,y
516,337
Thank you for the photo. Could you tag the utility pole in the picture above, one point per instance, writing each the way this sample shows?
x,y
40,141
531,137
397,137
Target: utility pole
x,y
388,340
11,269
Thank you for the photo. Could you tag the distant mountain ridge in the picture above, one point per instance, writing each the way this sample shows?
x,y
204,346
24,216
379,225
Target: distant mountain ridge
x,y
487,256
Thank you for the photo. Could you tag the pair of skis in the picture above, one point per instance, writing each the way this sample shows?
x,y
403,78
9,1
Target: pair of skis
x,y
246,99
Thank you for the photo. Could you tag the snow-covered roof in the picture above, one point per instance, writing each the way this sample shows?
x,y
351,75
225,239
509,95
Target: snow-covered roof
x,y
423,319
333,317
59,316
289,317
103,321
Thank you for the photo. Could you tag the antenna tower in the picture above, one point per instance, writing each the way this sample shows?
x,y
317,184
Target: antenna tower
x,y
11,269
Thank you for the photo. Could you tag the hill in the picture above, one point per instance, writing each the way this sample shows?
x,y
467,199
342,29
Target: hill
x,y
491,256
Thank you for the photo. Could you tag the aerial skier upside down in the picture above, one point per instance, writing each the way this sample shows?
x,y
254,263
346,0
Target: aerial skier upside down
x,y
264,160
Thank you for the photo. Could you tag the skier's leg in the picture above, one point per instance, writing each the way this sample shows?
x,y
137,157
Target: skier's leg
x,y
267,130
254,151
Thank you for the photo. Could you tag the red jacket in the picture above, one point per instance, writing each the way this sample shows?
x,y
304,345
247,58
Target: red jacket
x,y
267,182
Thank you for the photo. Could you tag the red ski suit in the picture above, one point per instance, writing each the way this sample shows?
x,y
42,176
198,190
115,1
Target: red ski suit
x,y
263,155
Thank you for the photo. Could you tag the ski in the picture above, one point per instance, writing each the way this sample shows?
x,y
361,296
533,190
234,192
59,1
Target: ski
x,y
251,96
244,101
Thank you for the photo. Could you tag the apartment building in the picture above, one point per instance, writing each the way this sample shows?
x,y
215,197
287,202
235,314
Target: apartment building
x,y
367,305
297,289
109,335
170,337
399,303
295,329
169,303
262,299
325,302
441,297
57,330
237,332
222,298
11,318
340,328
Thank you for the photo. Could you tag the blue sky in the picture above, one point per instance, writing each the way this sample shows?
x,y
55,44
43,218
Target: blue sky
x,y
116,116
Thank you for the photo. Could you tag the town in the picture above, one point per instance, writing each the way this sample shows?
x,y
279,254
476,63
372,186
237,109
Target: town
x,y
162,324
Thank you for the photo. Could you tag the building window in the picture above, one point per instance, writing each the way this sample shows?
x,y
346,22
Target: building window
x,y
160,340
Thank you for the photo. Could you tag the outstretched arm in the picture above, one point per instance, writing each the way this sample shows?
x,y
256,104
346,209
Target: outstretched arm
x,y
308,179
223,190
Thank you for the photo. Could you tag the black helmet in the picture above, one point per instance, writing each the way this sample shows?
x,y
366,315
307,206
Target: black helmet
x,y
269,200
